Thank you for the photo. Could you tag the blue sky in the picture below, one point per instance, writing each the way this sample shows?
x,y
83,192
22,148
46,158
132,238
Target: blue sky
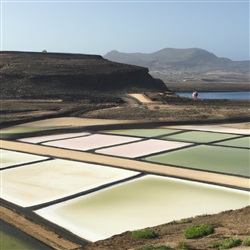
x,y
97,27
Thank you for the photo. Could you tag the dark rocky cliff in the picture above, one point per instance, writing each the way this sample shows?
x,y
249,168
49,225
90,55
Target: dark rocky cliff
x,y
46,75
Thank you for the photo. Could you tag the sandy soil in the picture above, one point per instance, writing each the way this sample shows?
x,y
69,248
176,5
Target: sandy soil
x,y
141,98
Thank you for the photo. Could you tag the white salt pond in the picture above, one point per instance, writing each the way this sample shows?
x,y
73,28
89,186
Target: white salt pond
x,y
141,148
12,158
39,139
54,179
144,202
91,142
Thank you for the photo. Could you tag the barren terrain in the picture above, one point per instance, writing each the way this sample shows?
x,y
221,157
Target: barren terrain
x,y
165,107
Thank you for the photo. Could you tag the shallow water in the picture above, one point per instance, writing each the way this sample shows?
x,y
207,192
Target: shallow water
x,y
141,203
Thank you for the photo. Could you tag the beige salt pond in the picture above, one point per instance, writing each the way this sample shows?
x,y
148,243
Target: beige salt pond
x,y
54,179
12,158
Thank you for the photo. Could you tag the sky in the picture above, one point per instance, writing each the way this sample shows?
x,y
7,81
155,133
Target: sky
x,y
97,27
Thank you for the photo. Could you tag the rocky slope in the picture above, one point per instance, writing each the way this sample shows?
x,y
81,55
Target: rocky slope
x,y
55,75
185,64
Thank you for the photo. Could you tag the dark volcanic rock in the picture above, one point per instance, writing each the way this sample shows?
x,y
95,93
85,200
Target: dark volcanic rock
x,y
43,75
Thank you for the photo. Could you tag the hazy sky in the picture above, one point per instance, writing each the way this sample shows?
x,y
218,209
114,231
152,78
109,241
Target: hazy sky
x,y
97,27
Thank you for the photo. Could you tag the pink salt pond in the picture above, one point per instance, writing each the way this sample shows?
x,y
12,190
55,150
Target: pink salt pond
x,y
91,142
141,148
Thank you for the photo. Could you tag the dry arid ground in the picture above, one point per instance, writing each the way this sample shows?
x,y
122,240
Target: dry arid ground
x,y
165,107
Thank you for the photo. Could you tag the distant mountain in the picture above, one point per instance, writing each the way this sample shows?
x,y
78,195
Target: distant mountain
x,y
185,64
44,75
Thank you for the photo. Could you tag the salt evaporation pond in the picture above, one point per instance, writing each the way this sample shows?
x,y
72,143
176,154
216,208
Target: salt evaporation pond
x,y
243,142
144,202
13,239
47,181
211,158
199,136
141,148
143,132
13,158
39,139
91,142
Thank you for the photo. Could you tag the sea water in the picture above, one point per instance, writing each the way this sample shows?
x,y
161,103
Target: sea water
x,y
241,95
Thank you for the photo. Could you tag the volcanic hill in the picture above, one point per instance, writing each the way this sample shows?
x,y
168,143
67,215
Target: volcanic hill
x,y
50,75
171,64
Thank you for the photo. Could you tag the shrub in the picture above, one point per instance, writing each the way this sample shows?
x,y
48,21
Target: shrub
x,y
214,244
229,243
156,248
144,234
183,245
246,241
186,220
198,231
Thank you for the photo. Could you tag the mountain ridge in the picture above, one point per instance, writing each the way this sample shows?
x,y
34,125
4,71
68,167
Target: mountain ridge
x,y
179,64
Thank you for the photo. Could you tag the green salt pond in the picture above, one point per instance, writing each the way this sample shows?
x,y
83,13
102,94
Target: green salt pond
x,y
212,158
144,202
142,132
243,142
13,239
199,136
